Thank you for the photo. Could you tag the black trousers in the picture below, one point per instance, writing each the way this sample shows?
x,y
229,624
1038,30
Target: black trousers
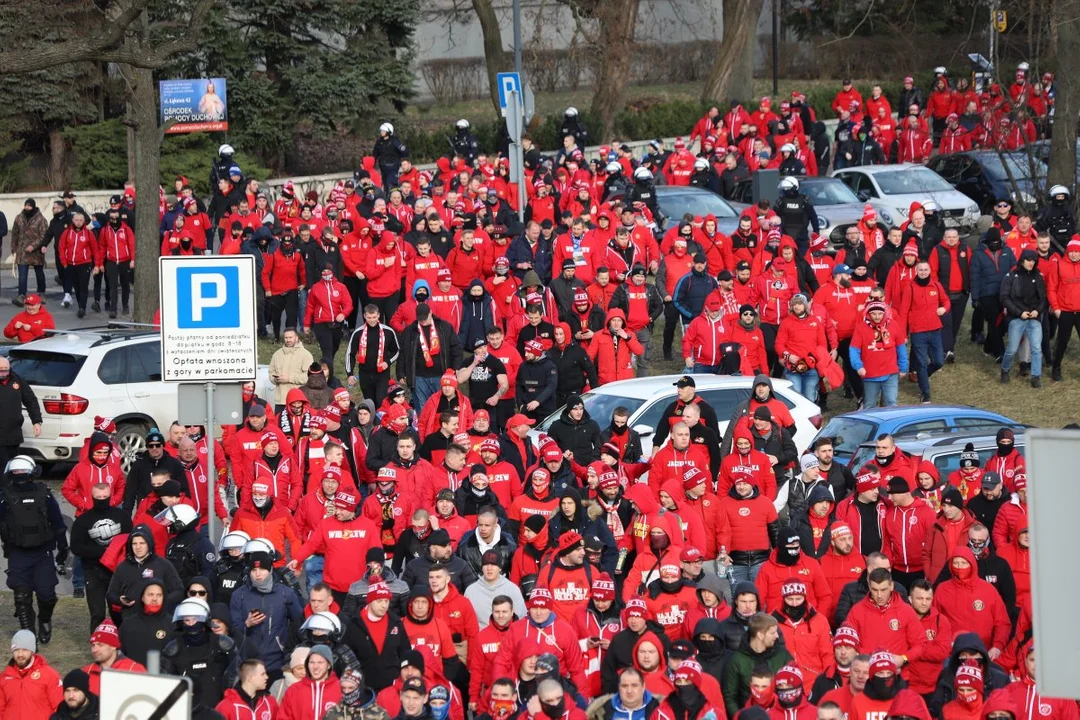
x,y
373,385
97,582
671,321
770,332
328,335
991,309
387,306
288,303
117,282
7,452
907,578
843,351
951,325
977,322
358,292
1067,321
80,282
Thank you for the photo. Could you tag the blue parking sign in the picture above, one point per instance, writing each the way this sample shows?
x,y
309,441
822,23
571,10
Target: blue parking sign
x,y
208,297
507,82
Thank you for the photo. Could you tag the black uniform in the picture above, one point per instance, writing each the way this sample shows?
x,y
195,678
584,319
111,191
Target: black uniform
x,y
91,534
389,151
191,554
15,395
644,191
464,144
1055,218
797,214
31,528
571,125
537,381
208,659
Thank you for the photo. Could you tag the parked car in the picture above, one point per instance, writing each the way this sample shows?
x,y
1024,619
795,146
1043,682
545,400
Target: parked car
x,y
985,175
677,200
646,398
897,186
850,430
942,450
837,207
114,373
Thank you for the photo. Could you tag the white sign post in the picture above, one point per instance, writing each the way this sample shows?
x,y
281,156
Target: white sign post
x,y
127,696
208,331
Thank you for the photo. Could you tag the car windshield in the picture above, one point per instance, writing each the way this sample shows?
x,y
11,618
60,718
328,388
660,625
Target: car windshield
x,y
599,406
911,181
46,368
1017,164
675,205
847,433
829,193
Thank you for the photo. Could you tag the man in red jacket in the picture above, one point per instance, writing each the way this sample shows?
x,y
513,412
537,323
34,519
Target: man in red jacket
x,y
972,604
117,250
890,461
904,530
29,688
923,673
672,460
840,565
283,278
105,649
844,312
553,635
700,501
746,460
341,540
922,305
789,562
703,337
80,255
950,263
885,622
328,304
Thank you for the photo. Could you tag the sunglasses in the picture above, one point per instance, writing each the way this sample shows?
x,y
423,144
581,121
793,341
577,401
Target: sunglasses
x,y
749,313
153,445
196,593
1003,205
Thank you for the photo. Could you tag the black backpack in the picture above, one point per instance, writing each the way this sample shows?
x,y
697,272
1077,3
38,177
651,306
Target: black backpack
x,y
28,526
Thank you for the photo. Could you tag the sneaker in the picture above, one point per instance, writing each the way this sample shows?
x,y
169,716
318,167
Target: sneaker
x,y
79,592
979,339
18,301
66,302
924,400
1036,381
96,306
81,314
1025,369
112,314
1004,377
950,357
126,311
1055,374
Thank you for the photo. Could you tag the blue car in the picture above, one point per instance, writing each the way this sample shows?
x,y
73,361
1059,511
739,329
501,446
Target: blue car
x,y
851,430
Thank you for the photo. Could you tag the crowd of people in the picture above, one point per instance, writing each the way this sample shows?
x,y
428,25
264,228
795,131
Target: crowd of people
x,y
401,545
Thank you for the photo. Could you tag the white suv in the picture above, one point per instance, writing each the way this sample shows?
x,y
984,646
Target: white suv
x,y
113,372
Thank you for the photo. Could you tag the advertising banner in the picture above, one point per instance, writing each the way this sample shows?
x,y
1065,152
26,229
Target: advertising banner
x,y
198,105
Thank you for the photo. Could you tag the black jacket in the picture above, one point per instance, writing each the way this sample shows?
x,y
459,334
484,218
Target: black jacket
x,y
130,575
632,451
994,676
1023,291
574,369
94,529
380,668
448,358
537,381
509,452
654,301
211,665
142,632
674,410
15,395
587,523
461,573
469,504
137,484
90,711
985,511
582,437
882,260
620,654
469,551
382,447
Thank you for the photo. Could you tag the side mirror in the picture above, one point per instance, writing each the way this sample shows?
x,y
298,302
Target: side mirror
x,y
863,195
644,430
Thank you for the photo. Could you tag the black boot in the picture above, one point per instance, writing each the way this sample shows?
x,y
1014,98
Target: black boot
x,y
45,613
24,608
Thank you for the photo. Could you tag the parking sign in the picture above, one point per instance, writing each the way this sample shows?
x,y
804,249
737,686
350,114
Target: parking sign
x,y
208,318
507,82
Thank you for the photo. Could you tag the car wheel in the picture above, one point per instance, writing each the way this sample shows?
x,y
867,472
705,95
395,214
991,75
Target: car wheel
x,y
131,440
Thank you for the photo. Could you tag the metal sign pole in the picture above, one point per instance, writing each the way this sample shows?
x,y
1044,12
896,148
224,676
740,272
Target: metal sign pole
x,y
211,470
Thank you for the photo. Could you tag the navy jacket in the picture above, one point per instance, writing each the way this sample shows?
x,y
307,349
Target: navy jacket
x,y
267,640
987,272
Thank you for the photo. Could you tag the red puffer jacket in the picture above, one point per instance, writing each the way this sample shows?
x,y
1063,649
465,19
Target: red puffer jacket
x,y
613,360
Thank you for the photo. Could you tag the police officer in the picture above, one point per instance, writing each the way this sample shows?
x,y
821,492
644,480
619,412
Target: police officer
x,y
1056,218
644,191
389,151
796,213
189,552
199,653
91,534
15,394
616,184
230,570
464,142
571,125
31,528
324,628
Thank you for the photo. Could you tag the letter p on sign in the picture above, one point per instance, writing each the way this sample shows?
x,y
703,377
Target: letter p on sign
x,y
208,297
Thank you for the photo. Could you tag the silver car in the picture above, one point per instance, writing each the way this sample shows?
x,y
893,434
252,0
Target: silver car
x,y
837,207
898,186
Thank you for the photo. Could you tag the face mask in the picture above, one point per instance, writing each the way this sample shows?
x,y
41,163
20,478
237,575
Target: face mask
x,y
101,504
387,488
152,608
556,710
421,297
260,502
1004,449
502,708
977,547
796,613
658,543
971,699
440,713
886,460
961,573
327,277
994,245
688,694
788,556
790,697
761,698
879,688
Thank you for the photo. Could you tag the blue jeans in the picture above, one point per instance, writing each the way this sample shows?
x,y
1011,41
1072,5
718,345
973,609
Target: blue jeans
x,y
301,309
1033,331
705,369
313,571
884,389
423,388
24,276
929,357
806,384
78,577
745,573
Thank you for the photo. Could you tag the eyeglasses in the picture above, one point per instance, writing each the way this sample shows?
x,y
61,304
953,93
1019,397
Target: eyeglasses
x,y
196,593
1003,205
154,445
748,313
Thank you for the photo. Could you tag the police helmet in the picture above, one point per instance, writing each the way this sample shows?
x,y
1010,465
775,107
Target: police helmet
x,y
191,608
1054,192
571,111
643,174
260,545
701,164
386,128
235,540
613,167
789,184
787,147
21,465
226,150
180,518
322,623
462,124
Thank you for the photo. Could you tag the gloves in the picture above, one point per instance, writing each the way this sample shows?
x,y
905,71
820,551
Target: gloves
x,y
62,556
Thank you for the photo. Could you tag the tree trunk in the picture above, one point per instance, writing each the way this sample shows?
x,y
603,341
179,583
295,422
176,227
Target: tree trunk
x,y
58,159
617,19
732,73
494,58
147,180
1067,105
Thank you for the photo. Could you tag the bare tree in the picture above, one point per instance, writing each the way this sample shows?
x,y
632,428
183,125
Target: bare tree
x,y
732,73
1066,21
494,57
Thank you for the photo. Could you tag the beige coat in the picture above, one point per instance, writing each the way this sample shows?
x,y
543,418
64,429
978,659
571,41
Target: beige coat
x,y
290,366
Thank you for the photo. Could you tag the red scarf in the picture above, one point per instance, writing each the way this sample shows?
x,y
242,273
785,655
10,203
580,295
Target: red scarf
x,y
429,347
362,356
614,522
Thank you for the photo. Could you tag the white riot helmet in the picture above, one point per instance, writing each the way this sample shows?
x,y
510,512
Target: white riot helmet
x,y
322,623
1059,190
462,124
642,173
930,206
235,540
940,70
179,518
787,147
191,608
386,128
789,183
21,465
571,111
260,545
701,164
1023,67
226,150
613,167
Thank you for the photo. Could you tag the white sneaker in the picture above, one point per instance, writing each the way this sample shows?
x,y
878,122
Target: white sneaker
x,y
67,300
